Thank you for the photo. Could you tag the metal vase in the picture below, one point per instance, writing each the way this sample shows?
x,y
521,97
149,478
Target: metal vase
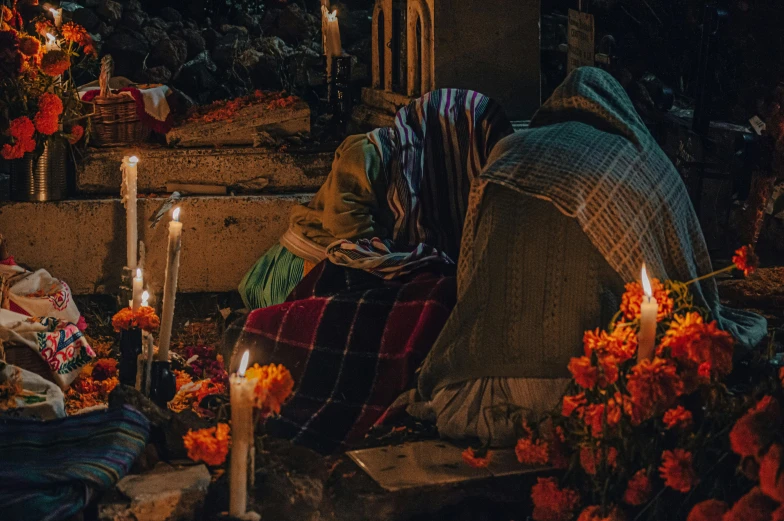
x,y
43,178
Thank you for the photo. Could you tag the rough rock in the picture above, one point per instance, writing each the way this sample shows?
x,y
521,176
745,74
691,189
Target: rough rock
x,y
132,5
154,34
294,25
128,50
86,18
227,47
165,494
158,22
135,20
229,29
248,21
157,74
170,14
104,29
110,11
195,41
197,76
211,36
169,52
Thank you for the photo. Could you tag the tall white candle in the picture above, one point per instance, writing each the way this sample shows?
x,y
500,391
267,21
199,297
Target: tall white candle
x,y
646,342
334,47
129,198
51,42
324,14
138,287
57,14
241,398
170,284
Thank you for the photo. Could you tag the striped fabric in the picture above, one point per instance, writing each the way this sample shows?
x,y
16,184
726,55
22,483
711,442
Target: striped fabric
x,y
378,257
50,470
439,145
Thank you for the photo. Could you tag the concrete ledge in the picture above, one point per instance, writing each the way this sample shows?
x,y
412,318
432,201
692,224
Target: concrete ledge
x,y
244,169
83,241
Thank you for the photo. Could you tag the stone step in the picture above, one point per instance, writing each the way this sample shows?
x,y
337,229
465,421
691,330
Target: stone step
x,y
83,241
243,169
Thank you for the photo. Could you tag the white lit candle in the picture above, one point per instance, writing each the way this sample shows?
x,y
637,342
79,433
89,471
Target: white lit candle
x,y
129,198
170,284
241,398
324,14
646,341
57,14
334,47
51,42
145,298
138,283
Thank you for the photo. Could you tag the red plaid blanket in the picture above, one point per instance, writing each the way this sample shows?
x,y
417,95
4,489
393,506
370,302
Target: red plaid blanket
x,y
352,342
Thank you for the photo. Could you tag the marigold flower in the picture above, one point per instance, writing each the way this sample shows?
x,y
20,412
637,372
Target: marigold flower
x,y
21,128
677,471
710,510
29,46
530,452
745,260
77,132
678,417
55,62
631,301
689,339
273,387
592,457
574,403
594,513
47,119
638,489
595,417
754,506
208,445
755,430
771,477
44,27
584,372
552,503
104,369
182,378
146,318
654,385
208,388
123,320
621,343
476,461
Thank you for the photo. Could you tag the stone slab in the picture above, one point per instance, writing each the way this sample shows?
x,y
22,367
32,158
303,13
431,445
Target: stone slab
x,y
243,127
83,241
243,169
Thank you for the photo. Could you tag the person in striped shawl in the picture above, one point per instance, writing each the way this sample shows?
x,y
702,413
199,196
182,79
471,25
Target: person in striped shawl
x,y
394,200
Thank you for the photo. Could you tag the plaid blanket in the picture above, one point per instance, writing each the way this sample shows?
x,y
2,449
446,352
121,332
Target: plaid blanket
x,y
352,342
50,470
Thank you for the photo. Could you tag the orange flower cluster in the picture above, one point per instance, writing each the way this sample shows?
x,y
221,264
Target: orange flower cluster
x,y
677,418
745,260
47,119
552,503
588,375
594,513
703,346
677,471
530,451
570,404
144,318
77,132
597,416
22,131
753,432
593,457
631,301
104,369
55,62
208,445
475,460
638,490
29,46
654,385
274,385
227,110
620,344
77,34
182,378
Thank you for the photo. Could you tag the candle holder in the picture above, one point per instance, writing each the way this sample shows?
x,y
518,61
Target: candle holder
x,y
163,383
130,349
125,293
339,91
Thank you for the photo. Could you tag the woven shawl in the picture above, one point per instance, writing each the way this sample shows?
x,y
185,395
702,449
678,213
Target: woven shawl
x,y
440,143
589,153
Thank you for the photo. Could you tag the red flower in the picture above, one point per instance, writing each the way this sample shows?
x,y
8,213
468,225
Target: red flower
x,y
77,132
631,301
597,415
771,477
552,503
21,128
55,62
104,368
755,430
574,403
530,452
710,510
594,513
745,260
692,341
583,372
677,418
47,120
654,386
621,343
22,131
29,46
638,489
592,457
754,506
474,460
676,470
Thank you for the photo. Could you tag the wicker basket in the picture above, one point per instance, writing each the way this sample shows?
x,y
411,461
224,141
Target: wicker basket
x,y
115,122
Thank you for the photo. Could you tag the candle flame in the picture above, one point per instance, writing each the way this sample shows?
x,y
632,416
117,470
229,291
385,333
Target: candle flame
x,y
145,297
138,273
244,363
333,16
50,37
176,214
53,10
646,283
133,159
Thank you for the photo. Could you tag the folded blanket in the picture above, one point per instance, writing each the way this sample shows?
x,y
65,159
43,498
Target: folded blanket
x,y
379,257
352,342
50,470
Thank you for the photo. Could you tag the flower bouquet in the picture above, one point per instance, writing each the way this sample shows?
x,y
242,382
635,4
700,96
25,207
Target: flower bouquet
x,y
130,323
648,438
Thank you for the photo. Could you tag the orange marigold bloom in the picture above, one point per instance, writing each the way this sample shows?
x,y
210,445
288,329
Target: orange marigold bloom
x,y
654,385
677,471
584,372
77,132
594,513
123,320
638,489
574,403
209,388
771,477
21,128
208,445
475,461
273,387
754,506
29,46
147,319
552,503
745,260
689,339
55,62
104,369
631,301
598,415
755,430
47,119
592,457
530,452
621,343
678,417
710,510
182,378
43,27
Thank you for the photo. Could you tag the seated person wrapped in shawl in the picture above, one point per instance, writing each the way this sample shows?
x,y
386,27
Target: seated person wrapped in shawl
x,y
353,338
383,185
565,213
